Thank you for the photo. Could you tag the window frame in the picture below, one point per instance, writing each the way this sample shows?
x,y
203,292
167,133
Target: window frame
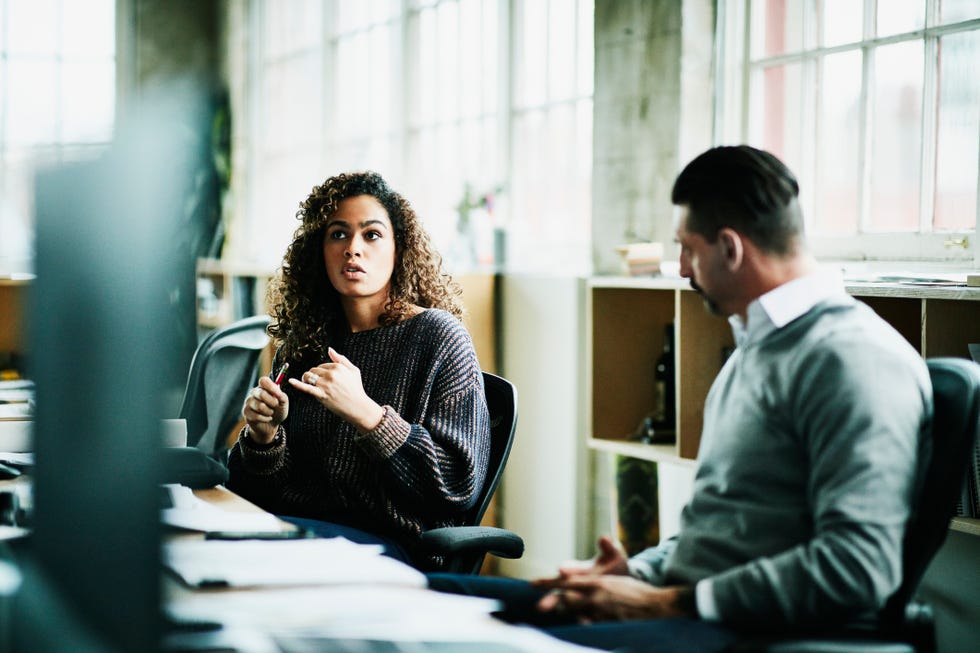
x,y
735,67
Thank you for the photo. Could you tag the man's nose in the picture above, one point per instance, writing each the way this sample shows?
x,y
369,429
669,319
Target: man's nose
x,y
685,267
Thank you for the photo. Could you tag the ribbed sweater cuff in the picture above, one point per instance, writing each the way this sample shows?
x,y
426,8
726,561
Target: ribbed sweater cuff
x,y
388,436
260,459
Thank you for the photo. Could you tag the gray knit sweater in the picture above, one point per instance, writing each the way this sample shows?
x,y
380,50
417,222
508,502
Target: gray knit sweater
x,y
419,469
808,462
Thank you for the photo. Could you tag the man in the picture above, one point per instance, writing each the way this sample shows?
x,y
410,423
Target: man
x,y
808,461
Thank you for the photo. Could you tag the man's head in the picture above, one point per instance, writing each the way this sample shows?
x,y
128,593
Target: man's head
x,y
739,218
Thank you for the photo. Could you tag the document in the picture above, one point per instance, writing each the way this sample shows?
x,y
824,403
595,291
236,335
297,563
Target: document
x,y
257,563
184,510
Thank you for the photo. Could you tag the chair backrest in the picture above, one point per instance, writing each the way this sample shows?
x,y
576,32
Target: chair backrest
x,y
502,405
224,367
956,422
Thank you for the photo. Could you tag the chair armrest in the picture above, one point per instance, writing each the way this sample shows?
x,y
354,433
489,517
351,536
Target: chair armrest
x,y
453,540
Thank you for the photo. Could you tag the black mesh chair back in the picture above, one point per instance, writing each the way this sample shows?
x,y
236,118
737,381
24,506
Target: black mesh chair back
x,y
956,421
223,369
502,406
463,548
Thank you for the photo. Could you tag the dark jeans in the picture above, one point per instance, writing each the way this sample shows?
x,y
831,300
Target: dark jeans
x,y
329,529
654,636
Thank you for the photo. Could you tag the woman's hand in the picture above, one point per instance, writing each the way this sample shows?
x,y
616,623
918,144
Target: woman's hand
x,y
337,385
265,409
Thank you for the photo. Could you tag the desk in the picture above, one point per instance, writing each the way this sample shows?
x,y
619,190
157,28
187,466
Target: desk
x,y
346,617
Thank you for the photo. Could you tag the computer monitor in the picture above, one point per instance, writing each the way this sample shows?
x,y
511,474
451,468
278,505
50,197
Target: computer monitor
x,y
101,330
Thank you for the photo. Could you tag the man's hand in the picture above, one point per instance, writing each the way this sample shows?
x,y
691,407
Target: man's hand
x,y
613,598
611,559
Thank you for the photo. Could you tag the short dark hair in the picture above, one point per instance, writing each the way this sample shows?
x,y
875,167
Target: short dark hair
x,y
745,189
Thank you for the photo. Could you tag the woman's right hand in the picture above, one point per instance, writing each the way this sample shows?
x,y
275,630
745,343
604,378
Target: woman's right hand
x,y
265,409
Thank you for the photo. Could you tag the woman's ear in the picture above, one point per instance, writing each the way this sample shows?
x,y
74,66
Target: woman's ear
x,y
732,248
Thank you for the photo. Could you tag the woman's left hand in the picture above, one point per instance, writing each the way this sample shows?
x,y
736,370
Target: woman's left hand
x,y
337,385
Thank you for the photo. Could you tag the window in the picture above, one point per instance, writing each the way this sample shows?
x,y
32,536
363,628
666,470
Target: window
x,y
447,99
874,105
57,101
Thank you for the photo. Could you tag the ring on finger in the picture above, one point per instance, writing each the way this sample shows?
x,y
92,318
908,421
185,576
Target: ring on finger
x,y
312,378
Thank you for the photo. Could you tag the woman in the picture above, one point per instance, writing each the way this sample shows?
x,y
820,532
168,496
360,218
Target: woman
x,y
380,430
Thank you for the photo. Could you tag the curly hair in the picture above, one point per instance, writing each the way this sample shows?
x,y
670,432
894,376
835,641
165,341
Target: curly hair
x,y
306,310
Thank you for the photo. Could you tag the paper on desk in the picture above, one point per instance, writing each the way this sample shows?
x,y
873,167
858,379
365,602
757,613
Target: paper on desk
x,y
252,563
347,618
195,514
364,607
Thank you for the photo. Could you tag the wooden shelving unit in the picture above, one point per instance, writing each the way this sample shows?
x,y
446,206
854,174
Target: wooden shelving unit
x,y
625,318
228,291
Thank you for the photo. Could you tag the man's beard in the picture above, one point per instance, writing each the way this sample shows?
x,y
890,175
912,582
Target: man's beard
x,y
709,303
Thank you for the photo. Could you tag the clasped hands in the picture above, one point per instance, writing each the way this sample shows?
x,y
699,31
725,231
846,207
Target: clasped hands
x,y
336,384
603,590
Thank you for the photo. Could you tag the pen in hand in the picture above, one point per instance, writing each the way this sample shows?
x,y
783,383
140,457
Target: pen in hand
x,y
282,373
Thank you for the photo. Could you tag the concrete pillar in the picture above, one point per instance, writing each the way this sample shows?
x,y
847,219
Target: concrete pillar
x,y
652,112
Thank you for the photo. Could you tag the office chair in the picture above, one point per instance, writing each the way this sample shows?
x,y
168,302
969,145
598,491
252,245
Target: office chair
x,y
224,368
905,625
463,548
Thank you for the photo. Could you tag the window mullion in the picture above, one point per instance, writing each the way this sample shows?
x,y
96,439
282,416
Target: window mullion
x,y
866,121
930,105
746,70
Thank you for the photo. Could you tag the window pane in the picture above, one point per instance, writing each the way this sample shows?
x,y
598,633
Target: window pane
x,y
447,61
953,11
379,61
896,145
31,102
87,101
351,89
586,49
838,174
958,131
561,49
776,112
383,10
841,22
32,27
777,27
352,15
531,53
491,38
470,81
90,28
423,101
291,26
897,16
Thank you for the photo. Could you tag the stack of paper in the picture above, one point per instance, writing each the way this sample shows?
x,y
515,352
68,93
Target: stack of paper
x,y
255,563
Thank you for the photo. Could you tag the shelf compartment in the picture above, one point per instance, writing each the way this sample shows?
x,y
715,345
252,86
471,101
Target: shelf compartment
x,y
627,337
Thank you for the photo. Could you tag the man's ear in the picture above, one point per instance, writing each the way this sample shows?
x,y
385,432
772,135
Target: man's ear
x,y
732,247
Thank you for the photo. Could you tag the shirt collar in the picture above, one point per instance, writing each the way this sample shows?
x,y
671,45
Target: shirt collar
x,y
783,304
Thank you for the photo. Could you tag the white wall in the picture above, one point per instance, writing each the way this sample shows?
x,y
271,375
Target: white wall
x,y
544,486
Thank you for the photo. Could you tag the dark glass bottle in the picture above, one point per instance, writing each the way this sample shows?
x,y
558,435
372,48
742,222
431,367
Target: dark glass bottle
x,y
665,414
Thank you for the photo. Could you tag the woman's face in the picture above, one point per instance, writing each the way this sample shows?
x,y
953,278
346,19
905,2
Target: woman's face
x,y
359,249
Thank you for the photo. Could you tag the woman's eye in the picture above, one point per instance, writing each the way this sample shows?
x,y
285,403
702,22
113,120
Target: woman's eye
x,y
372,235
336,235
